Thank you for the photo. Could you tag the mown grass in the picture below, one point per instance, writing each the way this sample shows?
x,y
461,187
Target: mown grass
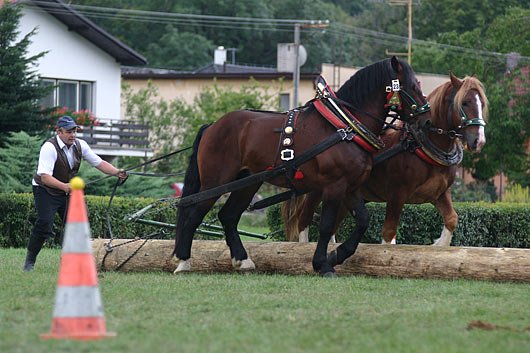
x,y
159,312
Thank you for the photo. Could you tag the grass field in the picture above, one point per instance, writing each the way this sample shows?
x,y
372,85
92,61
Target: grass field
x,y
159,312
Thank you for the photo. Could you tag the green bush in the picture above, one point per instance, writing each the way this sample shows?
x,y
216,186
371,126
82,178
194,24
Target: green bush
x,y
18,216
479,224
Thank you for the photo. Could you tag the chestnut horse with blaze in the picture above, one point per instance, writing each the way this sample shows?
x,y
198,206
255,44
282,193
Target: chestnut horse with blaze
x,y
242,144
424,166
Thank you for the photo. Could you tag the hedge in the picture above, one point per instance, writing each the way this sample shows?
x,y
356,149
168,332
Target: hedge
x,y
479,224
18,215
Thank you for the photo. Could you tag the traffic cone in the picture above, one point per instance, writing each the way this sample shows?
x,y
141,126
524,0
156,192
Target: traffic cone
x,y
78,311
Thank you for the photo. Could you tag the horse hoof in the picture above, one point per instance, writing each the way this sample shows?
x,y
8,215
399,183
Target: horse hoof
x,y
332,258
184,266
330,274
243,265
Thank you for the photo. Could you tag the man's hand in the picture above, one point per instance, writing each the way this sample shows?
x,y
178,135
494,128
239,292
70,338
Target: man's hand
x,y
122,174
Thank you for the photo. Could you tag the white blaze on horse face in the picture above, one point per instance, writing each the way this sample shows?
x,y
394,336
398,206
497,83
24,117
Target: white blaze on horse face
x,y
481,135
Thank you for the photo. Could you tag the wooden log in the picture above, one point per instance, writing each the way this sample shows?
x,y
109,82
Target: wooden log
x,y
405,261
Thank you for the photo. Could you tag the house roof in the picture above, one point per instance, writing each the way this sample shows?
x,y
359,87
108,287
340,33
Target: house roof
x,y
209,71
78,23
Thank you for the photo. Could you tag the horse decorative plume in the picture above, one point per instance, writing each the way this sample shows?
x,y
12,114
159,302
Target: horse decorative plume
x,y
418,164
310,152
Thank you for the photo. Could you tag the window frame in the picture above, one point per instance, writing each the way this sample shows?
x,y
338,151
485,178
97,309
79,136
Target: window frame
x,y
78,91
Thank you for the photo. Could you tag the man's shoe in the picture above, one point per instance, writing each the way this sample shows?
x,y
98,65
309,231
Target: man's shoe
x,y
30,262
28,266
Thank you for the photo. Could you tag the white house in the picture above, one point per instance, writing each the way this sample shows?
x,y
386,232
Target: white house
x,y
83,60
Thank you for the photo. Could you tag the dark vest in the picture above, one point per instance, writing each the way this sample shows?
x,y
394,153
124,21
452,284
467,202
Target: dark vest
x,y
61,169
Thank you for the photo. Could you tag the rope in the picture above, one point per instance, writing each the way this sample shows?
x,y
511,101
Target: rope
x,y
141,164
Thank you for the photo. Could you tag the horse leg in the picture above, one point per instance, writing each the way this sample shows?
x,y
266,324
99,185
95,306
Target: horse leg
x,y
306,213
444,205
303,236
229,216
394,206
328,219
348,248
190,218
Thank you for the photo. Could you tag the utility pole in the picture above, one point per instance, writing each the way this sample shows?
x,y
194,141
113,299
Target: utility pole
x,y
409,41
296,73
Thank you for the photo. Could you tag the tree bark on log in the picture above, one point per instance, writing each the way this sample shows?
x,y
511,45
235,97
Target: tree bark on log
x,y
405,261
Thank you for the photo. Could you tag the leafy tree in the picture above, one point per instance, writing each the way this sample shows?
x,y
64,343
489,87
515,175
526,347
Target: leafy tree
x,y
507,132
174,124
20,88
182,50
18,161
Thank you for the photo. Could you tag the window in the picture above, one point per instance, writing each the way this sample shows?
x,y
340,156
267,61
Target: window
x,y
284,101
75,95
49,100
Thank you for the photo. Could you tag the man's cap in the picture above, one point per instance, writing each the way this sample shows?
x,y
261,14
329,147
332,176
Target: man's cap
x,y
67,123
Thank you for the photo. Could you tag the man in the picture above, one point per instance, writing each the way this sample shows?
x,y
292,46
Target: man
x,y
59,161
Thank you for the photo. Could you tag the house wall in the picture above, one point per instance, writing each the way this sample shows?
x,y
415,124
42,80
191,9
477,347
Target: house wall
x,y
72,57
187,89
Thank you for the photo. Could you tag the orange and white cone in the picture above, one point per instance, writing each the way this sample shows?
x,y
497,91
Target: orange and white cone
x,y
78,311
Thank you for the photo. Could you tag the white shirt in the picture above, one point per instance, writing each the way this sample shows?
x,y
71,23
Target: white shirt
x,y
48,156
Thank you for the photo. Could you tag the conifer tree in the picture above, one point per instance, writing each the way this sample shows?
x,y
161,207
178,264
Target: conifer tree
x,y
20,86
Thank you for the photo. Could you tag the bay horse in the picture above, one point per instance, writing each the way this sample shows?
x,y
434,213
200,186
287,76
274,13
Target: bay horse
x,y
459,109
244,144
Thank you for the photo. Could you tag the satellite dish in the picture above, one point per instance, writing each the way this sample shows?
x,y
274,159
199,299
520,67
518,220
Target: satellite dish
x,y
302,55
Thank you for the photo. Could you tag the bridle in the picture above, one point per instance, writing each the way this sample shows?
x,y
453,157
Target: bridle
x,y
465,120
395,97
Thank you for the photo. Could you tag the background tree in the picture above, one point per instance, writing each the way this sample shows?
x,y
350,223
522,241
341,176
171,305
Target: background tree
x,y
18,161
182,50
175,123
20,88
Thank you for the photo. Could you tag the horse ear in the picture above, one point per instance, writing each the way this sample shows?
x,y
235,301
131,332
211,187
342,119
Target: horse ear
x,y
395,64
455,81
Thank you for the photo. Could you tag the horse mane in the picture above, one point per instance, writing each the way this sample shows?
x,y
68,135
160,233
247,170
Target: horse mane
x,y
473,83
360,87
436,97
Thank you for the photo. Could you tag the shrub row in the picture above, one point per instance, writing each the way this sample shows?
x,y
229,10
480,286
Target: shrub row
x,y
18,215
480,224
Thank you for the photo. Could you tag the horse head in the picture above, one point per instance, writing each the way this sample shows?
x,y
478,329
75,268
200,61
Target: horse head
x,y
411,101
469,110
388,85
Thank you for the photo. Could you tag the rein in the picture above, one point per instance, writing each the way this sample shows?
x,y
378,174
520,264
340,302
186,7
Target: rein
x,y
109,246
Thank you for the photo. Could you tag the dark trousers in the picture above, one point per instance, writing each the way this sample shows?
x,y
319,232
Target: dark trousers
x,y
47,206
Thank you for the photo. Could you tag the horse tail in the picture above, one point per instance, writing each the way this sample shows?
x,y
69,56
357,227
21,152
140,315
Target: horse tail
x,y
291,212
192,182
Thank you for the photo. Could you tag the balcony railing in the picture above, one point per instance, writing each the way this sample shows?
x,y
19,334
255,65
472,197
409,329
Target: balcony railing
x,y
118,138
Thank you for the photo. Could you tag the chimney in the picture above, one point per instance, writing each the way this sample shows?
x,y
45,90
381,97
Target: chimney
x,y
219,57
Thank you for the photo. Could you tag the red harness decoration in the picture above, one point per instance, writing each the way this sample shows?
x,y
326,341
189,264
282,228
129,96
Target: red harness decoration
x,y
339,124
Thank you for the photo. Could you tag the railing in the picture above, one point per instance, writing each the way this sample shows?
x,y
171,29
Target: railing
x,y
128,137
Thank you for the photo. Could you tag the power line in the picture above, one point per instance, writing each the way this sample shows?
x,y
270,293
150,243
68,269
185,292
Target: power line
x,y
260,24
